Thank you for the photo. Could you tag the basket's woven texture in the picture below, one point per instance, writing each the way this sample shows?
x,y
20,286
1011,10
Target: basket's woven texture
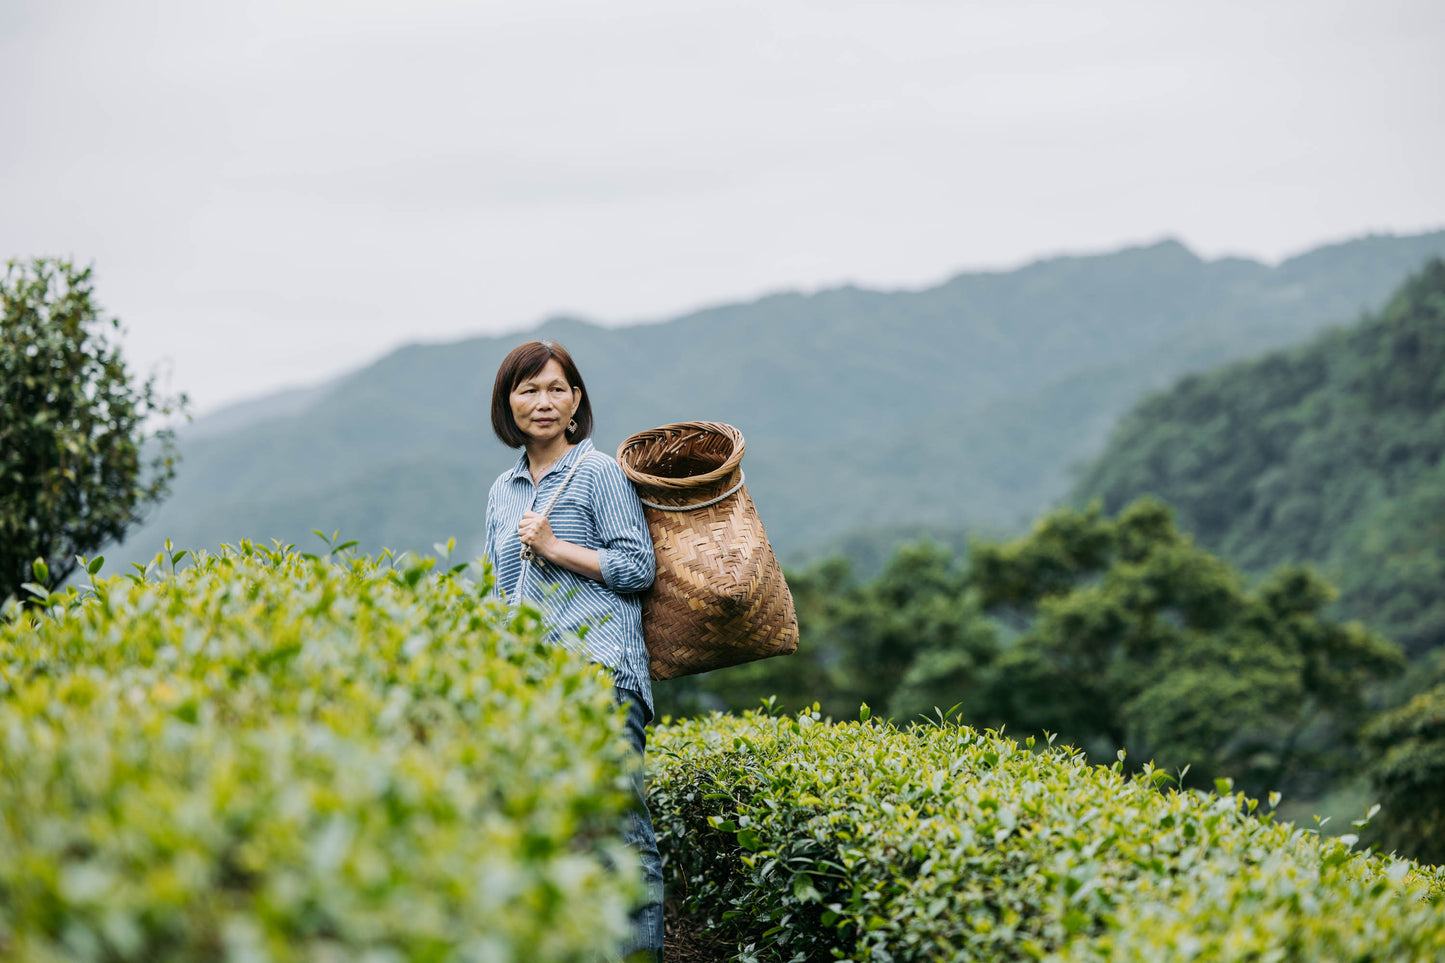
x,y
719,597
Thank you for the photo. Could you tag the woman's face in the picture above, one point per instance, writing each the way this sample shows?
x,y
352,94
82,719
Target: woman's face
x,y
543,404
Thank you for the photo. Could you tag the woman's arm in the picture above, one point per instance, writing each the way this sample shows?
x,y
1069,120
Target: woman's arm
x,y
625,561
626,558
584,561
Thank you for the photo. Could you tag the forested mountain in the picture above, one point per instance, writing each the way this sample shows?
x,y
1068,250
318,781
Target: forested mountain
x,y
959,406
1331,453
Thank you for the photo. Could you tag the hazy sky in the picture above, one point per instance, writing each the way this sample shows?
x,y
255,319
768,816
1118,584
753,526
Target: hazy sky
x,y
272,192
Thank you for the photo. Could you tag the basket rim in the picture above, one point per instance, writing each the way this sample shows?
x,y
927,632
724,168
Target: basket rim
x,y
718,474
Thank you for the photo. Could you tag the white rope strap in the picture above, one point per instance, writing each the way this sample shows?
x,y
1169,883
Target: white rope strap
x,y
687,508
528,555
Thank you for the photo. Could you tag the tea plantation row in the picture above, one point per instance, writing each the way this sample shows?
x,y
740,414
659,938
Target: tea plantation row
x,y
270,756
808,841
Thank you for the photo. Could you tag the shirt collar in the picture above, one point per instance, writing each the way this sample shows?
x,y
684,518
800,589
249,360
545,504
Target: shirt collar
x,y
521,469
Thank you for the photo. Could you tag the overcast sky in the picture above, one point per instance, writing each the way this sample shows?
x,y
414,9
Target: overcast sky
x,y
273,192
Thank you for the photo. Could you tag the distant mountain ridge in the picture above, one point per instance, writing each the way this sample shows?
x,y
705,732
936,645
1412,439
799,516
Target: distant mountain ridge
x,y
960,405
242,414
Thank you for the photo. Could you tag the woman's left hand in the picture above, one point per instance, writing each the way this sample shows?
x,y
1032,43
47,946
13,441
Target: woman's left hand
x,y
535,531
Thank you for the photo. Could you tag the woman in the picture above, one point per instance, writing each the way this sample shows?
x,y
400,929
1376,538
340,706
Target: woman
x,y
588,558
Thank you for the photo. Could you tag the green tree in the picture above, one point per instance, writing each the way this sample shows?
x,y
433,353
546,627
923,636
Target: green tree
x,y
1133,637
880,626
1408,773
76,465
907,640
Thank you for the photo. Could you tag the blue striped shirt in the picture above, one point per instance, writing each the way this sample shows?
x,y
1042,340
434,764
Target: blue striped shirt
x,y
600,510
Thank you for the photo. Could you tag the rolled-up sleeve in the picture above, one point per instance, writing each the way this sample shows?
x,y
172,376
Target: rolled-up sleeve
x,y
625,554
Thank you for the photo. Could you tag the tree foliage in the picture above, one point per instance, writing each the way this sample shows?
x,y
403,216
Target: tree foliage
x,y
916,605
1408,773
75,467
1133,636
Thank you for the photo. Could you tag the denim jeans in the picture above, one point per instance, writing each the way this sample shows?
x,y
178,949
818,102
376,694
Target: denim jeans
x,y
647,921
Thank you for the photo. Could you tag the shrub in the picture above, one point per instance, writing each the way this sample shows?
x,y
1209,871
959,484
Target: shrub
x,y
77,466
1408,772
866,842
269,756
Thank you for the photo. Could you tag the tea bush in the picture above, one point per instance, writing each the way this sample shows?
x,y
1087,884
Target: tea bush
x,y
271,756
864,842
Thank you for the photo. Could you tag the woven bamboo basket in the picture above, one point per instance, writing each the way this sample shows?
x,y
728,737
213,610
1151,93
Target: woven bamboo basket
x,y
719,598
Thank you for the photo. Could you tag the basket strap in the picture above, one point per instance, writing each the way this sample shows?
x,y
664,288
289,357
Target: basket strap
x,y
687,508
527,554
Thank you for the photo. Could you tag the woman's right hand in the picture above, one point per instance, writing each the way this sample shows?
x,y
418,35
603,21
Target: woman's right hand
x,y
535,532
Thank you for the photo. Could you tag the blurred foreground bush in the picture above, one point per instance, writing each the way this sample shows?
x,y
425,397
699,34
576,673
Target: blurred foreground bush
x,y
865,842
270,756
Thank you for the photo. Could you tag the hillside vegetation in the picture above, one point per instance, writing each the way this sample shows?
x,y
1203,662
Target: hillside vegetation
x,y
960,405
1331,453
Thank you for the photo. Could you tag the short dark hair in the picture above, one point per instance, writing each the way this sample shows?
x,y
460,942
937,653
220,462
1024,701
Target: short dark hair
x,y
524,362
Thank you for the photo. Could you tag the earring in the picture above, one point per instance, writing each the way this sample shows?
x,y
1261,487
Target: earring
x,y
572,427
